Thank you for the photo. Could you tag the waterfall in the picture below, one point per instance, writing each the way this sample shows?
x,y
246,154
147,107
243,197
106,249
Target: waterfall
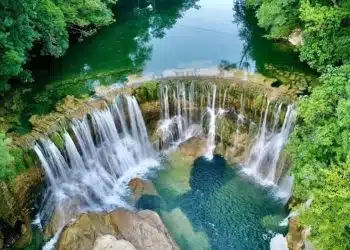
x,y
211,133
265,152
100,155
186,110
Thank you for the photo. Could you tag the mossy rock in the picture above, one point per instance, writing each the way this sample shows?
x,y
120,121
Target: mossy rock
x,y
57,139
147,92
9,209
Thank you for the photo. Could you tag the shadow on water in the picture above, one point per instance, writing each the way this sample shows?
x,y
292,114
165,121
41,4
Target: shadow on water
x,y
228,208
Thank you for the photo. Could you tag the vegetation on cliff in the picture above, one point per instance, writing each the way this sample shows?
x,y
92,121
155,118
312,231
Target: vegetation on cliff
x,y
43,26
5,157
320,144
320,148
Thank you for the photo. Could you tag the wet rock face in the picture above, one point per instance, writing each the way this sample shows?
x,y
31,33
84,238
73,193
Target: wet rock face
x,y
139,230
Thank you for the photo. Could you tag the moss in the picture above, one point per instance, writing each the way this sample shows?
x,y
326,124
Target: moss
x,y
18,164
147,92
259,102
57,139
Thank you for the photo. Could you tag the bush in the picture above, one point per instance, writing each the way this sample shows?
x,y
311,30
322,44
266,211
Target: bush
x,y
5,158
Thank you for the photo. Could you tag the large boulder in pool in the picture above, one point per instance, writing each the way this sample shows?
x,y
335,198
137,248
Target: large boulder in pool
x,y
109,242
141,187
143,230
194,147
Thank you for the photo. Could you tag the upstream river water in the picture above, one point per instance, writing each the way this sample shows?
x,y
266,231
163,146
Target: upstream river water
x,y
150,37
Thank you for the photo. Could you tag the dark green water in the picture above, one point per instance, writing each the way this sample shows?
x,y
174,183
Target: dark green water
x,y
220,209
174,34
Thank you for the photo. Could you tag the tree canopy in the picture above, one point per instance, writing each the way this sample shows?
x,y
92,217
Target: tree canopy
x,y
320,147
325,25
44,24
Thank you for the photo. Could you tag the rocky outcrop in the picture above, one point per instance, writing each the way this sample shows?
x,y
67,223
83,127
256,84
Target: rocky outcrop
x,y
141,187
109,242
297,236
16,201
194,147
143,230
296,38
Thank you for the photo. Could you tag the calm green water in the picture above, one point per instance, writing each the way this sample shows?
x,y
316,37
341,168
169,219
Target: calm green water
x,y
172,34
221,209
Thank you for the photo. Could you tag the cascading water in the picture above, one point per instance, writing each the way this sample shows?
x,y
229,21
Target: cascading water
x,y
185,109
265,152
103,152
211,132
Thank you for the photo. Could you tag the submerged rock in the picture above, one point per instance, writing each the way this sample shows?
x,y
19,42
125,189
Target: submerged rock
x,y
141,187
143,230
182,230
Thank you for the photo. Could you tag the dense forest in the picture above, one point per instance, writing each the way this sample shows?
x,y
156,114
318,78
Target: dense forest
x,y
320,145
44,26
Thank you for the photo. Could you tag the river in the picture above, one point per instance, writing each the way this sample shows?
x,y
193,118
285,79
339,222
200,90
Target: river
x,y
150,39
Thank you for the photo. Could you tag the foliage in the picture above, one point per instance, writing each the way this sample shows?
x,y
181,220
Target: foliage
x,y
17,35
320,147
51,28
279,17
325,25
44,24
81,14
326,35
5,157
329,213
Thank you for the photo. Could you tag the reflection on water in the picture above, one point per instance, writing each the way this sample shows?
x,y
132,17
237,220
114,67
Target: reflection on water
x,y
221,204
150,37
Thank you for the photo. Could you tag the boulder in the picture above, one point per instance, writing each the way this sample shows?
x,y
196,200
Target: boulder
x,y
141,187
82,233
295,235
194,147
296,38
143,230
109,242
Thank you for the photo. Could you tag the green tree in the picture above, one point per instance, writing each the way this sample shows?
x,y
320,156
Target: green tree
x,y
329,214
45,24
51,26
278,17
83,16
326,34
17,35
320,147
